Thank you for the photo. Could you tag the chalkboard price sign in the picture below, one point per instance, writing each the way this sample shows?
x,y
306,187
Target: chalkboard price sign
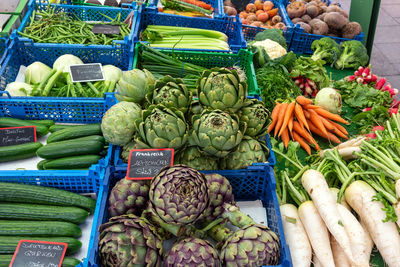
x,y
17,135
86,72
31,253
144,164
105,29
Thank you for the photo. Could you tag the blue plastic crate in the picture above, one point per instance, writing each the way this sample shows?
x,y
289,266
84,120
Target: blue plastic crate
x,y
23,51
217,5
80,184
231,26
243,184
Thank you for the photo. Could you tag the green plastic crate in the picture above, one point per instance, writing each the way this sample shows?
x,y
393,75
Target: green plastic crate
x,y
243,59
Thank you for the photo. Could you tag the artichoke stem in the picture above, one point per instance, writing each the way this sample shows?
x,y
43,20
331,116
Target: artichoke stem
x,y
220,233
236,217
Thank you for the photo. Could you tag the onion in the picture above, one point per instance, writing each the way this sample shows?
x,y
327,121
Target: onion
x,y
329,99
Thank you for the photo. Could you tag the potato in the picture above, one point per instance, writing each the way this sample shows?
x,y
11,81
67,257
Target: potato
x,y
305,26
351,29
335,20
320,28
313,11
313,21
322,16
306,18
297,20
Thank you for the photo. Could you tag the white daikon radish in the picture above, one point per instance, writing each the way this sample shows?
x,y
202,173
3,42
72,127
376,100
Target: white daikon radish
x,y
384,234
317,187
317,233
296,236
335,192
398,188
339,256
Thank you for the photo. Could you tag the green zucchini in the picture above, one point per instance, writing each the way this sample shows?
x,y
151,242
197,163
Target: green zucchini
x,y
8,244
34,212
37,228
34,194
6,259
75,132
47,123
41,130
75,162
58,127
16,152
40,164
62,150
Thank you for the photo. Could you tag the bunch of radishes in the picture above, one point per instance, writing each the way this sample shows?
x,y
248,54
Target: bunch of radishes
x,y
307,86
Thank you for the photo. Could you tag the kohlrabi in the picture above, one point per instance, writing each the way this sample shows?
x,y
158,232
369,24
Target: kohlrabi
x,y
329,99
19,89
36,72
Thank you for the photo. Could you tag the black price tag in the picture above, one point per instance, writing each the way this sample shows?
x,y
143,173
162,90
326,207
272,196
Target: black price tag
x,y
240,4
105,29
144,164
31,253
86,72
17,135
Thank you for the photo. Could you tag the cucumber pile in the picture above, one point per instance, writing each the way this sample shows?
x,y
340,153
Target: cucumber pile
x,y
41,213
68,146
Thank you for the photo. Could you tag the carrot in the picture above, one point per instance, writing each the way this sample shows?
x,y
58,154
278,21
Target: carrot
x,y
339,133
281,115
311,107
302,143
298,110
303,133
288,114
306,114
290,124
274,117
331,116
340,127
285,137
328,126
302,100
272,12
331,137
315,119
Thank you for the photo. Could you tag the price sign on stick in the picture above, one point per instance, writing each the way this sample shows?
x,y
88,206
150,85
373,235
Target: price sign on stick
x,y
144,164
31,253
105,29
86,72
17,135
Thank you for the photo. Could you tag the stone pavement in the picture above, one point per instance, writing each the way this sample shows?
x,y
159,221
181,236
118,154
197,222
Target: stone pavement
x,y
385,58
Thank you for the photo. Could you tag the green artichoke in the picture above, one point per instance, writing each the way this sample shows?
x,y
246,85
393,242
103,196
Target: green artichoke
x,y
221,88
216,132
178,195
134,85
192,157
126,150
192,252
118,125
220,192
170,92
161,127
128,197
249,151
256,116
128,240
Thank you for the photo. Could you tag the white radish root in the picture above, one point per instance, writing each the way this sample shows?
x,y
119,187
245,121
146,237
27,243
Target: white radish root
x,y
317,233
385,235
361,244
335,193
339,256
398,188
296,236
317,187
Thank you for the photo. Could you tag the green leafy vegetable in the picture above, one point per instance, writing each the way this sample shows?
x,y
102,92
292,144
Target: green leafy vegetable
x,y
365,121
313,70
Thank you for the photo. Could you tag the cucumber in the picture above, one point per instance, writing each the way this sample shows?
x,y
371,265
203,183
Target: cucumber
x,y
47,123
58,127
75,162
75,132
40,164
6,259
16,152
41,130
34,194
8,244
18,211
62,150
37,228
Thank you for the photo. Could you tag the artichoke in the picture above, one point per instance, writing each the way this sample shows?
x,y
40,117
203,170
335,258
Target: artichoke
x,y
134,85
221,88
256,117
216,132
249,151
118,125
128,240
192,252
170,92
192,157
161,127
178,195
128,197
220,192
126,150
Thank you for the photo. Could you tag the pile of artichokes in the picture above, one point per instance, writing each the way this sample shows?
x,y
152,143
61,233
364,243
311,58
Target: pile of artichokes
x,y
221,129
193,209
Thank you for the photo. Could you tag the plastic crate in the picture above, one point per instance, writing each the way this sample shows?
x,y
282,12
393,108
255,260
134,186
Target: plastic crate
x,y
229,25
217,5
243,59
80,184
82,3
244,184
23,51
86,13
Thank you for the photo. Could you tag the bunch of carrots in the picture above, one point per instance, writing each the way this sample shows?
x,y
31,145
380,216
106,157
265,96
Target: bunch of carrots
x,y
300,119
199,3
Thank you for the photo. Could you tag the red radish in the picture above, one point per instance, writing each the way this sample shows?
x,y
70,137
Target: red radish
x,y
360,80
380,83
374,78
366,71
351,78
366,109
378,128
